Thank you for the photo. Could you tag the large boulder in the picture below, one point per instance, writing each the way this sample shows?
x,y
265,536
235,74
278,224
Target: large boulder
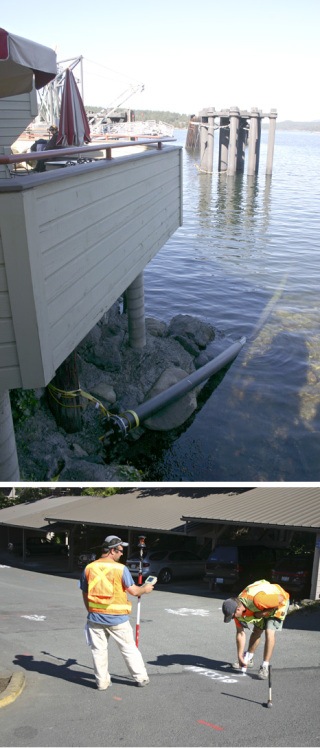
x,y
192,333
174,415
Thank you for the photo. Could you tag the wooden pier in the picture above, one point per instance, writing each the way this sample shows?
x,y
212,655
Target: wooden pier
x,y
236,129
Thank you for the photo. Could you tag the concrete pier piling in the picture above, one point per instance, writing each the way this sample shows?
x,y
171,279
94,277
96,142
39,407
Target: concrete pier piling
x,y
271,140
236,127
224,136
254,143
233,140
206,141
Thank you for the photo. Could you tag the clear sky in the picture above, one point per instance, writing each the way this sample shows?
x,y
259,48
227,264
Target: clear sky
x,y
189,55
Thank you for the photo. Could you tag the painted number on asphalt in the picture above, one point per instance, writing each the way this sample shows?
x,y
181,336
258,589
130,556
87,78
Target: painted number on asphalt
x,y
35,618
213,674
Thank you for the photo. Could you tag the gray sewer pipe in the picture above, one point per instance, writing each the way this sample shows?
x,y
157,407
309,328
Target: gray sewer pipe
x,y
120,425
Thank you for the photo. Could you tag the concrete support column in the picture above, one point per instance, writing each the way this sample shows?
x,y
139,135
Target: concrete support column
x,y
224,138
206,141
258,142
233,145
242,137
315,580
136,315
71,559
254,144
131,548
9,466
271,139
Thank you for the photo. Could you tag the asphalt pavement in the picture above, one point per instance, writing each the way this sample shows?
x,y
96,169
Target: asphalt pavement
x,y
194,697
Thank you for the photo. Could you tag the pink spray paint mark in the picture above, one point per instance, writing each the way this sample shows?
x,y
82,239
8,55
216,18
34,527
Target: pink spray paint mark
x,y
208,724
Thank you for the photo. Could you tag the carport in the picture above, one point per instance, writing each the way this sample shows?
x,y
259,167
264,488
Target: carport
x,y
20,521
272,515
151,512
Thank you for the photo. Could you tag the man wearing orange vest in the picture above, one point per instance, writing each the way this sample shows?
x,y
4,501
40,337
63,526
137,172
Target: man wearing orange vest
x,y
104,585
265,605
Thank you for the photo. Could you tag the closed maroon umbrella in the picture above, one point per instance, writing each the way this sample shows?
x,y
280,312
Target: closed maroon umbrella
x,y
73,125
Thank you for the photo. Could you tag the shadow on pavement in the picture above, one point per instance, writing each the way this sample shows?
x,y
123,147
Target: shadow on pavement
x,y
190,660
243,698
56,671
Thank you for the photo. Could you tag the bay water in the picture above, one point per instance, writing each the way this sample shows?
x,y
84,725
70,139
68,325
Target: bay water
x,y
247,260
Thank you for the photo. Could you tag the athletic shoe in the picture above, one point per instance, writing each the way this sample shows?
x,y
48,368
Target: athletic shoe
x,y
263,672
236,665
142,683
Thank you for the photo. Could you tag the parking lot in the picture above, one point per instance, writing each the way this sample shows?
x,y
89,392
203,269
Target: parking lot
x,y
194,697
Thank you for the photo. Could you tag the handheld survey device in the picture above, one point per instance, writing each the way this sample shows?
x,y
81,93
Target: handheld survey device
x,y
150,580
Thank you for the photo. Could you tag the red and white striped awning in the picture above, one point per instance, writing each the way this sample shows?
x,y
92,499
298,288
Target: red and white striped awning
x,y
24,63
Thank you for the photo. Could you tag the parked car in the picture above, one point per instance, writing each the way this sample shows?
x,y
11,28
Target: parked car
x,y
293,573
235,566
37,546
86,558
168,565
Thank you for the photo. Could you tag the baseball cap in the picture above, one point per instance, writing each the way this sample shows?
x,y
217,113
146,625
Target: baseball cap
x,y
229,608
112,541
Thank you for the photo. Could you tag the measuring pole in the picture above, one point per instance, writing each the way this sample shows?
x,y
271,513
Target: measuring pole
x,y
141,546
269,704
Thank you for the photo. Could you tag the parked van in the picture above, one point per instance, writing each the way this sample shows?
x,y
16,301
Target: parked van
x,y
235,566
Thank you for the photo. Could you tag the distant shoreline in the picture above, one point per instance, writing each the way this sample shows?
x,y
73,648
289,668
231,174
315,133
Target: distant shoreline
x,y
299,126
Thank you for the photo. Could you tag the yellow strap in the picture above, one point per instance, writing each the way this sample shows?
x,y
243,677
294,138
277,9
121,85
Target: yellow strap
x,y
75,393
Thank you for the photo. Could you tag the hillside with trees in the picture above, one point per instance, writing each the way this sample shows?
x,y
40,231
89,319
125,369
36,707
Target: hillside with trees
x,y
141,115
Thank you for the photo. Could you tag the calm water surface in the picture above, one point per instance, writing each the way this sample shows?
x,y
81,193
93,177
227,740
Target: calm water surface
x,y
247,259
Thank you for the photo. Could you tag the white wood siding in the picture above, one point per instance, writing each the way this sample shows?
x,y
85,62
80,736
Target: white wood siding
x,y
16,113
73,243
8,349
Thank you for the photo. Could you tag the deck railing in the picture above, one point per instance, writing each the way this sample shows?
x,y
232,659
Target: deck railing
x,y
81,151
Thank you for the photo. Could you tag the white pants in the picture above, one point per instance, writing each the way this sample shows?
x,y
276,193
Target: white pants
x,y
98,637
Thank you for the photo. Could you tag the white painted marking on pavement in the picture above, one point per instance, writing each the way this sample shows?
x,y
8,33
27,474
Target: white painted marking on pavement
x,y
188,611
213,674
35,617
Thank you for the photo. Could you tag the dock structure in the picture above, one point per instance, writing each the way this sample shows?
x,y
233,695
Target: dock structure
x,y
236,128
73,240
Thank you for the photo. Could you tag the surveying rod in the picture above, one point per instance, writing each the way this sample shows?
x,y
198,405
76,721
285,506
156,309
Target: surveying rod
x,y
141,546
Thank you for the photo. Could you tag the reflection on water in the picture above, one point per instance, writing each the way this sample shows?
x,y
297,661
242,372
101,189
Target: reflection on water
x,y
247,260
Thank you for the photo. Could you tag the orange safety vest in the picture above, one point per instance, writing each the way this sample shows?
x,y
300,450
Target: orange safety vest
x,y
248,597
252,605
105,590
